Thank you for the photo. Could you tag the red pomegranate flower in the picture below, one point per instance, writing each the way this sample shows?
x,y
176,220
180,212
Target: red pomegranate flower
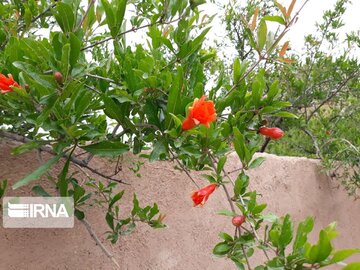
x,y
273,133
202,112
200,196
7,83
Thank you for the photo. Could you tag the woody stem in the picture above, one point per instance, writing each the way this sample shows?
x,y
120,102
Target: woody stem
x,y
224,187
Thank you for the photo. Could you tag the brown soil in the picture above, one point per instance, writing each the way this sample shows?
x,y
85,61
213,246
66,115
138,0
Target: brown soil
x,y
289,185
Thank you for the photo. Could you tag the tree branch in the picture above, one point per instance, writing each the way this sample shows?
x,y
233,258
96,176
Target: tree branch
x,y
82,163
38,16
98,242
333,94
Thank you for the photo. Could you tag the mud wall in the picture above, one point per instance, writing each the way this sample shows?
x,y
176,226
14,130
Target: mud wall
x,y
294,185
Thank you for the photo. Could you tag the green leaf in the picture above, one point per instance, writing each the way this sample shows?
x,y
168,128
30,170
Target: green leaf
x,y
241,183
343,254
270,217
27,147
107,148
256,93
274,19
75,48
240,146
304,228
109,12
27,17
153,211
79,214
225,236
78,193
37,173
262,33
273,91
285,115
210,178
220,165
274,234
158,150
113,110
252,201
176,119
193,46
65,17
110,220
62,183
195,3
65,59
321,250
268,110
286,232
32,72
226,212
238,263
121,7
352,266
39,190
136,207
259,208
325,247
3,186
174,99
330,230
221,249
237,70
256,162
117,197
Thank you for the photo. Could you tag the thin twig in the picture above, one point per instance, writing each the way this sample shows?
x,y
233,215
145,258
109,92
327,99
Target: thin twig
x,y
115,130
93,89
246,258
333,94
316,145
233,171
224,187
85,14
100,78
127,31
38,16
98,242
184,169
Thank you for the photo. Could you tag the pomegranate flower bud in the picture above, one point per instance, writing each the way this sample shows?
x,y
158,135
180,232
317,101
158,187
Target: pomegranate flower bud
x,y
273,133
58,77
200,196
237,221
201,112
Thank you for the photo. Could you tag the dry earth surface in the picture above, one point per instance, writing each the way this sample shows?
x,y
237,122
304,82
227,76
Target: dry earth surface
x,y
289,185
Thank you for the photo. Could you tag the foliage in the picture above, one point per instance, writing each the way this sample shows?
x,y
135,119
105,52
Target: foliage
x,y
85,88
323,87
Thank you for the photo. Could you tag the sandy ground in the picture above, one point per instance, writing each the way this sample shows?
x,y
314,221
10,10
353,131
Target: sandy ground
x,y
293,185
